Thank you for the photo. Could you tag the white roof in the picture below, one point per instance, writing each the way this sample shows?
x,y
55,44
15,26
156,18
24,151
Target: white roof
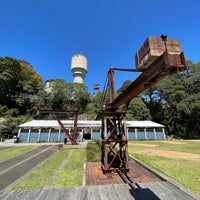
x,y
143,124
83,123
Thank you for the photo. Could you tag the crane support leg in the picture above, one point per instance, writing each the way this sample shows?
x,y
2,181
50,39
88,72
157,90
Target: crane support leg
x,y
114,142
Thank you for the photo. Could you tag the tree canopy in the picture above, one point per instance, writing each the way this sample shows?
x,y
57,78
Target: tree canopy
x,y
18,83
173,102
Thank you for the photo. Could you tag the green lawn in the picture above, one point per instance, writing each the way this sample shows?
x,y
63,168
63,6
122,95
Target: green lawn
x,y
41,175
15,151
185,172
188,146
71,175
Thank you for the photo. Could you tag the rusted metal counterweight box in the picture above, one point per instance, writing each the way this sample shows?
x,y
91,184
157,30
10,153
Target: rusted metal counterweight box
x,y
152,48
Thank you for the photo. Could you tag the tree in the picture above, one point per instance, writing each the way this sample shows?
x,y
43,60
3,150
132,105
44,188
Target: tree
x,y
60,95
52,96
137,110
177,98
154,103
124,86
94,107
18,84
121,89
10,74
78,96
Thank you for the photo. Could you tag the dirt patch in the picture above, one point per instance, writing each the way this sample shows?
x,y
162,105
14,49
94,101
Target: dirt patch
x,y
195,140
171,154
172,142
144,145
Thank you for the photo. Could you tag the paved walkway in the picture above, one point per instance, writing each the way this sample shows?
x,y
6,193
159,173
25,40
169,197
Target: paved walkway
x,y
10,143
142,181
137,174
15,168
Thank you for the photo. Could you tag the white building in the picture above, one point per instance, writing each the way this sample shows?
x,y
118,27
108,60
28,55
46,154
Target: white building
x,y
50,130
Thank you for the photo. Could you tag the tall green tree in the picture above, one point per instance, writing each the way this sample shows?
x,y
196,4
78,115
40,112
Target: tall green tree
x,y
10,75
175,102
18,84
52,96
94,106
60,95
137,110
78,96
121,89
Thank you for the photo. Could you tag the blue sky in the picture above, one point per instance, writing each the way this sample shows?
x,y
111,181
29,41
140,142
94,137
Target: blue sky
x,y
47,33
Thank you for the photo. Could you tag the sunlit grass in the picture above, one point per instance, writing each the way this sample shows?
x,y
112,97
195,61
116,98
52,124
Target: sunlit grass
x,y
41,175
15,151
188,146
185,172
72,173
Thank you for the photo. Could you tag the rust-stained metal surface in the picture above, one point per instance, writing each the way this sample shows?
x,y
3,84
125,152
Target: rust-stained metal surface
x,y
114,142
157,58
164,65
55,114
111,84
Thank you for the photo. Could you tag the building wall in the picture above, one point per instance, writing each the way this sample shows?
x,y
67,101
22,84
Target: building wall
x,y
57,135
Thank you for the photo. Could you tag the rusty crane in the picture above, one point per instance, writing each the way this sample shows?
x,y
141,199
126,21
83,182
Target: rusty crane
x,y
157,58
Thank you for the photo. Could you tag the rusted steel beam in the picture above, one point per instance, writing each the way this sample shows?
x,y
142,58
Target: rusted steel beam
x,y
74,112
111,84
157,58
164,65
48,111
62,126
75,129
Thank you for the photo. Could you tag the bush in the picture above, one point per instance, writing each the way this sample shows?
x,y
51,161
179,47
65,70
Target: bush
x,y
93,152
41,141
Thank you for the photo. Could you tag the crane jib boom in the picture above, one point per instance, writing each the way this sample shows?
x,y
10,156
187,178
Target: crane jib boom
x,y
164,65
157,58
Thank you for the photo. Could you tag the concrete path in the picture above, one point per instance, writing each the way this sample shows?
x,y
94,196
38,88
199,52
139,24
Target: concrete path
x,y
13,169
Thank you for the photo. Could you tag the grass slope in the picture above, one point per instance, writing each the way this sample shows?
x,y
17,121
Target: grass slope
x,y
184,171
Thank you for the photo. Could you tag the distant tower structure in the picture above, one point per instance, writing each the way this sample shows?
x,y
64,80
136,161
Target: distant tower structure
x,y
79,68
96,89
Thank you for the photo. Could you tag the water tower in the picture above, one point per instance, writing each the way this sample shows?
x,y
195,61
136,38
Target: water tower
x,y
79,68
